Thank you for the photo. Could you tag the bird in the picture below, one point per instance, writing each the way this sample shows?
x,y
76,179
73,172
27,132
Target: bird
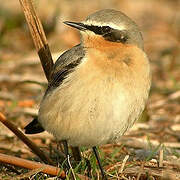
x,y
98,88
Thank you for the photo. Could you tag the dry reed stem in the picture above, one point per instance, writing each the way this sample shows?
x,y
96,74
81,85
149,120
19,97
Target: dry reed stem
x,y
26,140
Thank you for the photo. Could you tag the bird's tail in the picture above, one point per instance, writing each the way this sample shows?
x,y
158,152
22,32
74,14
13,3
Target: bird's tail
x,y
34,127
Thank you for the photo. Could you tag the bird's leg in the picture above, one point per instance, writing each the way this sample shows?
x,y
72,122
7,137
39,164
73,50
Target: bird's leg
x,y
77,157
99,163
66,151
76,153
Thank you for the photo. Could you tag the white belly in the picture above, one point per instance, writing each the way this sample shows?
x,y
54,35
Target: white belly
x,y
93,111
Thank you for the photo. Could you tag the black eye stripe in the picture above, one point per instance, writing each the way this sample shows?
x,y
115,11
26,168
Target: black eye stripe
x,y
99,30
109,33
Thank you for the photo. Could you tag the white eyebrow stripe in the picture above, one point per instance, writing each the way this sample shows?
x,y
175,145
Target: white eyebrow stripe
x,y
112,25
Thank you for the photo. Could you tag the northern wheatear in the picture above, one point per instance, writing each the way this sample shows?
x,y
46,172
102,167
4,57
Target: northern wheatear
x,y
98,88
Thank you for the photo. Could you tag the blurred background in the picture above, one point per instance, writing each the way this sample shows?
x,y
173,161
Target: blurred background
x,y
22,79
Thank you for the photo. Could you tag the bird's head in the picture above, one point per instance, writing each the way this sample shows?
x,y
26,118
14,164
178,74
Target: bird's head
x,y
108,28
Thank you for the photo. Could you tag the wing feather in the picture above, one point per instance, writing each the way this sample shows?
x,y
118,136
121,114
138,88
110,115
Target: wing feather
x,y
63,66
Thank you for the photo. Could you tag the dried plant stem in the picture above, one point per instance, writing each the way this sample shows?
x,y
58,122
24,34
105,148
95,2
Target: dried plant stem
x,y
161,152
26,140
38,36
69,163
123,164
140,171
31,165
48,169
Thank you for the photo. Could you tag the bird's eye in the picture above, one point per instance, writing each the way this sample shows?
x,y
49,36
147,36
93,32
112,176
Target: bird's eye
x,y
106,29
116,36
122,38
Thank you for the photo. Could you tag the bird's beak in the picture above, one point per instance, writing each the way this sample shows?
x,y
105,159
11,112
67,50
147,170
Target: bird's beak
x,y
80,26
